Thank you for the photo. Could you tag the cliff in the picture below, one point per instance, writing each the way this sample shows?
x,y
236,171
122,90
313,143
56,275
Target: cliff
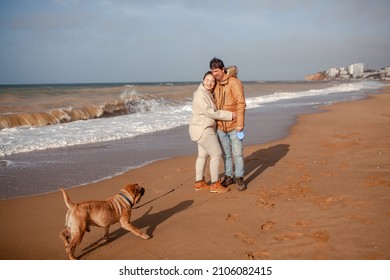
x,y
315,77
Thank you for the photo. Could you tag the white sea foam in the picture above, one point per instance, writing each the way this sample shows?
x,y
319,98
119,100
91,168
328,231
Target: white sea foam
x,y
159,114
340,88
23,139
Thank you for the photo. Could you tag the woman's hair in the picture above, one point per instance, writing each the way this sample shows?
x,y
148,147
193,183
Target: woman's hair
x,y
207,73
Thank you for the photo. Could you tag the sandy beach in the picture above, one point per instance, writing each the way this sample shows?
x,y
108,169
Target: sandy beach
x,y
323,192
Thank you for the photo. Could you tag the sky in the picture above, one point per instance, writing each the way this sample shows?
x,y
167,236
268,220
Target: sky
x,y
101,41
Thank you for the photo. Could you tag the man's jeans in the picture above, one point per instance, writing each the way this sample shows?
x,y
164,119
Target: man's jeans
x,y
232,148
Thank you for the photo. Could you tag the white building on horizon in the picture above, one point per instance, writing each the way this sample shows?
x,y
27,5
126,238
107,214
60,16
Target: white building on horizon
x,y
332,72
343,73
356,70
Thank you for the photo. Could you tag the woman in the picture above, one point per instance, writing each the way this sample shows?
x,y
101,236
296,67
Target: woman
x,y
202,130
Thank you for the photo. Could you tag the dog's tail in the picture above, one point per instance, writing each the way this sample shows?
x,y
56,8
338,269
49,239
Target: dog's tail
x,y
68,203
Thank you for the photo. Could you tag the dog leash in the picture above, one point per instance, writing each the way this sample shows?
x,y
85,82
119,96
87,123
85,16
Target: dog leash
x,y
168,192
172,190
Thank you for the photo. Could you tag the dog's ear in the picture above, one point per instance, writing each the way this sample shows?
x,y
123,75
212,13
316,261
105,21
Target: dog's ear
x,y
138,191
138,188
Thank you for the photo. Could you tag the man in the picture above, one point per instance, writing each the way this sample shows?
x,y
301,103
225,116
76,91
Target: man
x,y
229,96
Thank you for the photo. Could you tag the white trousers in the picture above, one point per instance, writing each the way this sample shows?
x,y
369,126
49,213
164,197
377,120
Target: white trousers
x,y
208,145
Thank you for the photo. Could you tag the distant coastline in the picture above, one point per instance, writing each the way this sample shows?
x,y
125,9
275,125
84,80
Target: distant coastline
x,y
354,71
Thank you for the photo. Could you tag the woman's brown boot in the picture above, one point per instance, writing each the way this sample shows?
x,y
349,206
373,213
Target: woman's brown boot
x,y
201,186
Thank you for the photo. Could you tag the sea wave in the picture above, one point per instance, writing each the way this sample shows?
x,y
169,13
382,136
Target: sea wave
x,y
338,88
165,115
130,102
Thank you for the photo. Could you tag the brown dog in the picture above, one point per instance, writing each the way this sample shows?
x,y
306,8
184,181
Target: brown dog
x,y
81,216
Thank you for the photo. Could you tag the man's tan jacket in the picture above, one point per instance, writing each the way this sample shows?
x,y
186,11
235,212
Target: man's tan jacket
x,y
229,96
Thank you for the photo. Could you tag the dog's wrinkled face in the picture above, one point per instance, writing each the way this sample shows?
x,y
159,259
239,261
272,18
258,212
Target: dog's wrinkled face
x,y
136,190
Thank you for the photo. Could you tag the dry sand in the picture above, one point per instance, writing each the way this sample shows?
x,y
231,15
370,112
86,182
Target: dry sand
x,y
323,192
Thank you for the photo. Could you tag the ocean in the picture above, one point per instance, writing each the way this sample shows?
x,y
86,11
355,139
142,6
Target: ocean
x,y
71,134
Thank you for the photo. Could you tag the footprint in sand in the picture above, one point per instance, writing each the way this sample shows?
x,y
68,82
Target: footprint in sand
x,y
264,202
268,225
326,201
245,238
320,236
258,255
289,236
377,181
232,218
302,223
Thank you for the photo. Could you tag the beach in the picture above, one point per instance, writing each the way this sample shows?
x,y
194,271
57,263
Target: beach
x,y
321,193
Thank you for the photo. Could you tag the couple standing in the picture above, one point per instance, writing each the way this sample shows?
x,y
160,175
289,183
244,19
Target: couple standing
x,y
218,108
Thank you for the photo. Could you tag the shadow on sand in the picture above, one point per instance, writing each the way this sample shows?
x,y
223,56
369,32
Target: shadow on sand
x,y
259,161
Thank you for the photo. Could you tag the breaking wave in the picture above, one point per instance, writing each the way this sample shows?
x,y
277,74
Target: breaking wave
x,y
129,103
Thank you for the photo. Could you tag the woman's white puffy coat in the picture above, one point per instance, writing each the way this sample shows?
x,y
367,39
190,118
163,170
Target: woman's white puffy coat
x,y
204,113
